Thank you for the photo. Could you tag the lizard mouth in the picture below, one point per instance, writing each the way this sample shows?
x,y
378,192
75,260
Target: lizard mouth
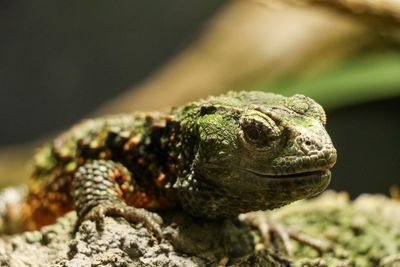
x,y
284,188
292,175
276,188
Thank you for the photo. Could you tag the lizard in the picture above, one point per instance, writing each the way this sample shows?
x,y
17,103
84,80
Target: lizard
x,y
213,158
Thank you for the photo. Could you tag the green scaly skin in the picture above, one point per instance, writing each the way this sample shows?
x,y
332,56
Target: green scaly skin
x,y
251,151
214,158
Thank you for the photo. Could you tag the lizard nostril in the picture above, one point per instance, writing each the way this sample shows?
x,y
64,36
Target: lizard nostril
x,y
308,143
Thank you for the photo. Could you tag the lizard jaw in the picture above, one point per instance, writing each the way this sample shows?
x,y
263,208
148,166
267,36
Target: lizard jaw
x,y
292,175
278,189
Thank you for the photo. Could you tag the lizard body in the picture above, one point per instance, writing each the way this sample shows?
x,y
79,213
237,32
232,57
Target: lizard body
x,y
213,158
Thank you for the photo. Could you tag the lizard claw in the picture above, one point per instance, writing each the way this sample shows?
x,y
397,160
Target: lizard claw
x,y
267,226
151,220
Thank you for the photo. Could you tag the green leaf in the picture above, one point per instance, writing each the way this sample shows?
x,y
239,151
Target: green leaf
x,y
366,78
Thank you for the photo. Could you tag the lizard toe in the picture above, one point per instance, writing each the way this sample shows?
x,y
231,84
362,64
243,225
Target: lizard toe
x,y
151,220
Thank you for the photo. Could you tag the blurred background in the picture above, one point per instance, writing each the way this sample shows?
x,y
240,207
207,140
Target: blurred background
x,y
63,61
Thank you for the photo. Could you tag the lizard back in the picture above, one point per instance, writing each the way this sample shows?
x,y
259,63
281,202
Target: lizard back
x,y
135,140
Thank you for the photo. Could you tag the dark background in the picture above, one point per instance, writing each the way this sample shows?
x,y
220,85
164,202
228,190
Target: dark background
x,y
59,60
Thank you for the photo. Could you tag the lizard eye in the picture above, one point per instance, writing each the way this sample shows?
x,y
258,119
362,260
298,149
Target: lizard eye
x,y
258,131
255,136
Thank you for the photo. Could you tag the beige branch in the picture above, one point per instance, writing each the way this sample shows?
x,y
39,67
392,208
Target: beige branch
x,y
245,40
383,9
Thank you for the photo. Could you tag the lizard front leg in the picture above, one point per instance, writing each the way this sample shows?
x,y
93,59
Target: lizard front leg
x,y
98,191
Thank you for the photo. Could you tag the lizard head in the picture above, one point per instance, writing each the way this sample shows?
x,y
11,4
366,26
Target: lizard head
x,y
255,150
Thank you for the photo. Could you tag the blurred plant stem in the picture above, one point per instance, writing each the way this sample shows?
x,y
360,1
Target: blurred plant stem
x,y
246,40
387,11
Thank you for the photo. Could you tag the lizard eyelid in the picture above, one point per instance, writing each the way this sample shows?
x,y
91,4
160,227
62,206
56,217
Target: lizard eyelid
x,y
259,133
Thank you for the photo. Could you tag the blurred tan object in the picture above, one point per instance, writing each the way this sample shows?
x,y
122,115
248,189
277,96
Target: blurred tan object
x,y
384,9
14,167
244,40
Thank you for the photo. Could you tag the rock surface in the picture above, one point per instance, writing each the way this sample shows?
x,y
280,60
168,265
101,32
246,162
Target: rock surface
x,y
364,232
118,243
